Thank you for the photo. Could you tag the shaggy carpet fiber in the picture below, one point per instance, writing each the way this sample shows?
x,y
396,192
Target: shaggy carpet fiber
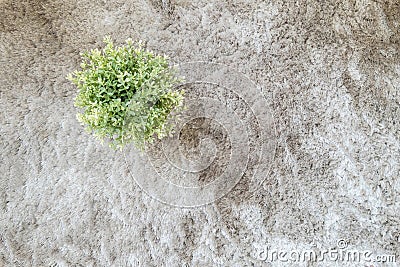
x,y
330,75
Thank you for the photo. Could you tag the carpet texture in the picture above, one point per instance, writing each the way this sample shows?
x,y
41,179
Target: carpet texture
x,y
330,72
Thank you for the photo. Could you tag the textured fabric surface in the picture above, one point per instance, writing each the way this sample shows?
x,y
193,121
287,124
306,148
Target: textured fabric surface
x,y
330,71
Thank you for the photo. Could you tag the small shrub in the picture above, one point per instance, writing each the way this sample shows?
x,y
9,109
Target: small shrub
x,y
127,94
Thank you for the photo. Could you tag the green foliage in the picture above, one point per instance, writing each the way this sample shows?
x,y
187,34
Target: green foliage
x,y
126,94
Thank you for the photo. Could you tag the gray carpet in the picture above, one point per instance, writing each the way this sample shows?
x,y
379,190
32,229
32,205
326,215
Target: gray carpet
x,y
330,74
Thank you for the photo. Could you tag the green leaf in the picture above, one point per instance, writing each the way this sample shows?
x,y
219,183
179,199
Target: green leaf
x,y
125,94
